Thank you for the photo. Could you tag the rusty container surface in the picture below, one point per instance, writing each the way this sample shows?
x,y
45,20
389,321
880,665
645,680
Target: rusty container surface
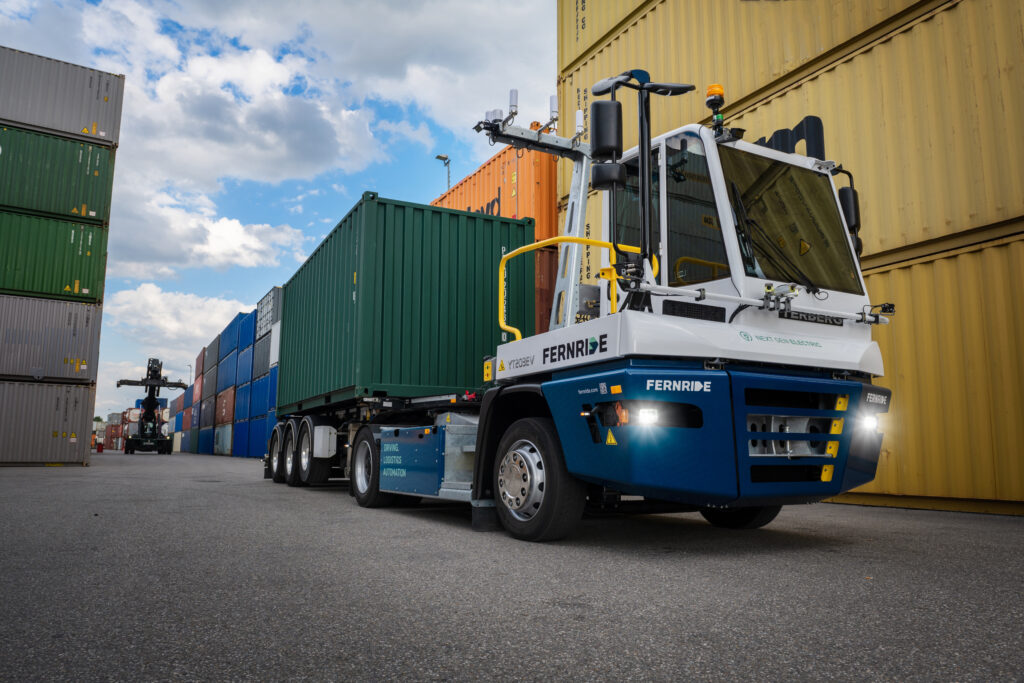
x,y
225,407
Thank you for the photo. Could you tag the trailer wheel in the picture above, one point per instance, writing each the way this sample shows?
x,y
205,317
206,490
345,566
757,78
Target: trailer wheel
x,y
535,496
311,470
741,518
276,458
291,459
366,472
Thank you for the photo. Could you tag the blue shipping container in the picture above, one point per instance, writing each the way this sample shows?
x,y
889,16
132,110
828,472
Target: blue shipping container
x,y
240,439
178,419
272,389
257,437
206,441
258,396
197,409
242,393
229,337
244,372
162,402
247,331
186,402
226,372
186,441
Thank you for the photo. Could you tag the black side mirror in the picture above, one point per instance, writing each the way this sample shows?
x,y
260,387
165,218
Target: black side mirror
x,y
607,176
851,208
605,130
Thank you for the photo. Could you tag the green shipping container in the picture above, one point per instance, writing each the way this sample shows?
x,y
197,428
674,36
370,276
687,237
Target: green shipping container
x,y
44,174
400,300
50,258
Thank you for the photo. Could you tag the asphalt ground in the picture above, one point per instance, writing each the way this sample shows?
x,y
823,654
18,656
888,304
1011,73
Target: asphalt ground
x,y
191,567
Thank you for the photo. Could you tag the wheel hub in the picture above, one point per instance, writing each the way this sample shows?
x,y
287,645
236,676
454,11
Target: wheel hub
x,y
304,452
521,480
287,459
362,467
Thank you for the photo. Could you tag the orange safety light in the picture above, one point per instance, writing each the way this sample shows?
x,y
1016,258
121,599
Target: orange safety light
x,y
715,89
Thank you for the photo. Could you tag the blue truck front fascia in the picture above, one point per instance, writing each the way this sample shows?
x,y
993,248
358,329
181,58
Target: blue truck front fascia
x,y
710,464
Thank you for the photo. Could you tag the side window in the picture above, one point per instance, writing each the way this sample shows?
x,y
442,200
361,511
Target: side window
x,y
695,251
627,204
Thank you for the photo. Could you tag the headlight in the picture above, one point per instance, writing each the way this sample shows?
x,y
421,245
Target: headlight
x,y
647,416
869,423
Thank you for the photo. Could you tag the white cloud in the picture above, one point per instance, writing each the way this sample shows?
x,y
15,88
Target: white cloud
x,y
403,130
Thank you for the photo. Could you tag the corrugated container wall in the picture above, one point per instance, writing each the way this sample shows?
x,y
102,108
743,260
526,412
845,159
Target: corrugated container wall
x,y
425,286
61,98
51,258
229,337
243,392
268,311
222,440
205,441
210,382
45,423
226,370
225,407
55,177
512,184
243,372
240,439
44,339
211,354
922,101
247,330
261,356
207,412
200,365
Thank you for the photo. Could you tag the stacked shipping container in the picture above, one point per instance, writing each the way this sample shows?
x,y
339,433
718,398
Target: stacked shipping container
x,y
942,223
59,128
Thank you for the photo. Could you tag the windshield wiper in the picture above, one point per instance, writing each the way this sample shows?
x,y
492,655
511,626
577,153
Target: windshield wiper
x,y
779,259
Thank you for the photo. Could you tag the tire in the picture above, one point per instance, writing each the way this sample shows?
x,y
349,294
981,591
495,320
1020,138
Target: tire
x,y
291,458
741,518
276,458
311,470
366,472
535,496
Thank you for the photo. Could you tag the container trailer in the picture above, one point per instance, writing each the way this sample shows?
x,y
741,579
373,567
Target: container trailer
x,y
721,364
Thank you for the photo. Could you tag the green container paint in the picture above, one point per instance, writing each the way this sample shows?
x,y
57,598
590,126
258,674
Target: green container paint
x,y
52,259
56,177
400,300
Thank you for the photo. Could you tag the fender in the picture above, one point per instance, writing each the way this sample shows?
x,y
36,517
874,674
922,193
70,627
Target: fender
x,y
502,406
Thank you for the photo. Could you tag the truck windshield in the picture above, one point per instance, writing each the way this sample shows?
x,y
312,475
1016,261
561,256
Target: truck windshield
x,y
788,223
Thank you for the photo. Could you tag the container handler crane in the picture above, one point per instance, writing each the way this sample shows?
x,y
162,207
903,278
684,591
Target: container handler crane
x,y
149,437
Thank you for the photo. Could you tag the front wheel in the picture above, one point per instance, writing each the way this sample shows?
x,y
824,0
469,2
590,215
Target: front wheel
x,y
366,472
741,518
535,496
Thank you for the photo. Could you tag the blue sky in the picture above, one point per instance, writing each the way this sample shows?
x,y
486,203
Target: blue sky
x,y
250,128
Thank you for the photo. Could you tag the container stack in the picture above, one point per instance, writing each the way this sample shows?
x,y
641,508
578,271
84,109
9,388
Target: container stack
x,y
208,406
59,126
186,420
263,394
227,370
243,385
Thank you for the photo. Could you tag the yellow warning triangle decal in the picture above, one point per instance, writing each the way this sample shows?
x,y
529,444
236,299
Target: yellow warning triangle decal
x,y
85,130
67,288
804,247
610,441
501,366
74,210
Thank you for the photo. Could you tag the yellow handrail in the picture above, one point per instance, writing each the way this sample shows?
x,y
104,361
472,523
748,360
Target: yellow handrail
x,y
713,265
561,239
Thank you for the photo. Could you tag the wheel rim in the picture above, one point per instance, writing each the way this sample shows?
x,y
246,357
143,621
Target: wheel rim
x,y
361,467
287,457
304,452
275,454
521,480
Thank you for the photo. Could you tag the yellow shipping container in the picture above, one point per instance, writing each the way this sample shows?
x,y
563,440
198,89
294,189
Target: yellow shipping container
x,y
953,359
923,116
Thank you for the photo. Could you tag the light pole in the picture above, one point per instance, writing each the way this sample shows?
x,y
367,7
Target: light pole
x,y
443,158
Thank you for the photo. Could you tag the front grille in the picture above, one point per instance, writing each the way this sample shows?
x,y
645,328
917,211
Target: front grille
x,y
773,474
685,309
793,424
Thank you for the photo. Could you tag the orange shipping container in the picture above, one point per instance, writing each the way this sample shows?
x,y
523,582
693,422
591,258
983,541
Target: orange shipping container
x,y
516,184
512,184
226,406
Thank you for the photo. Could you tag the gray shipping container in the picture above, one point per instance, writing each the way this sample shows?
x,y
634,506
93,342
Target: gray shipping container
x,y
50,96
211,356
45,339
268,312
210,383
208,414
261,357
222,440
45,423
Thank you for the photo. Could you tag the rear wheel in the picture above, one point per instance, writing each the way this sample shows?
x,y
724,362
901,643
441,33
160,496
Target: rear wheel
x,y
741,518
535,496
276,458
311,470
366,472
291,459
